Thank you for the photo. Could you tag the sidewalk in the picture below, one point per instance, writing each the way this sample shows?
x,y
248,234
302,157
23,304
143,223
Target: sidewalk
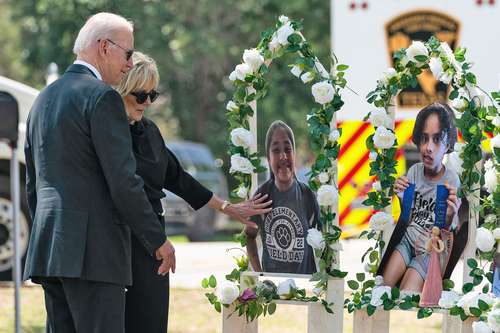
x,y
196,261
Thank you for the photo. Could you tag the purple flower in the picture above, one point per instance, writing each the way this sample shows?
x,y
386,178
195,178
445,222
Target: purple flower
x,y
247,295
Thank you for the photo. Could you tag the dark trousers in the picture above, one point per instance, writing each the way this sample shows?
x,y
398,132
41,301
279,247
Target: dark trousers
x,y
80,306
146,304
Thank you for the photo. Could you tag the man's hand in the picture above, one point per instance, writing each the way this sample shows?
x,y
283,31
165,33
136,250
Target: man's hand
x,y
166,253
243,210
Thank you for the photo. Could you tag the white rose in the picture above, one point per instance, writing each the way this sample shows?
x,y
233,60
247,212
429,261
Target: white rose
x,y
242,70
372,156
296,71
285,288
459,104
242,192
496,121
490,180
481,327
494,320
446,77
315,239
321,69
317,291
383,138
476,94
366,267
448,299
436,66
334,135
232,76
240,164
453,162
496,233
377,294
416,48
379,117
253,58
468,300
283,19
390,73
323,92
241,137
231,106
274,44
323,177
379,280
327,195
484,239
377,187
307,77
490,218
489,164
495,141
227,292
284,32
380,220
458,147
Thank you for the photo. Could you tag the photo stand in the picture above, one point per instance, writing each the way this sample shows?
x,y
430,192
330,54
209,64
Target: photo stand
x,y
380,320
319,321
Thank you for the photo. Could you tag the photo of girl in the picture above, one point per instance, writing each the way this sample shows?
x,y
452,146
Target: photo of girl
x,y
413,242
283,230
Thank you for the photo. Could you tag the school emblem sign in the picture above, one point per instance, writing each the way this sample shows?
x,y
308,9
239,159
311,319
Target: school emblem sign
x,y
421,25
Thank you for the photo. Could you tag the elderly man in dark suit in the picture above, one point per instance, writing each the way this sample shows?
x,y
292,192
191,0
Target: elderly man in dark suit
x,y
83,194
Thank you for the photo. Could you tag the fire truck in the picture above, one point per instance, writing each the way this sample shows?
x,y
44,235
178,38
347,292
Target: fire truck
x,y
365,34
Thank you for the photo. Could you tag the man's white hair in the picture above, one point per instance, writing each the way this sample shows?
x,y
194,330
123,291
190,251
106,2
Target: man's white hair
x,y
98,26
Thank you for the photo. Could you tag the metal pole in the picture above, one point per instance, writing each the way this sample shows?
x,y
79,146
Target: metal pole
x,y
16,268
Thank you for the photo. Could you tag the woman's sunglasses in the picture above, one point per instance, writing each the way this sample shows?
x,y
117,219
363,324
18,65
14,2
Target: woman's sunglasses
x,y
142,96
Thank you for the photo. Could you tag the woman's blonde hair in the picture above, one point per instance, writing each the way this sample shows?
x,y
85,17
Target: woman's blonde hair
x,y
142,74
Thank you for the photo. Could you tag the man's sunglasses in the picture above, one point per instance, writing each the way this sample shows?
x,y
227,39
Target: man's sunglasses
x,y
128,52
142,96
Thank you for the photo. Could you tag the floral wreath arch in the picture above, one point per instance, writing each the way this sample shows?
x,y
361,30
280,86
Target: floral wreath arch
x,y
248,79
473,118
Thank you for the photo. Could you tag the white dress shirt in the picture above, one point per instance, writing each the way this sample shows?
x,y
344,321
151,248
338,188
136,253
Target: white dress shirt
x,y
89,66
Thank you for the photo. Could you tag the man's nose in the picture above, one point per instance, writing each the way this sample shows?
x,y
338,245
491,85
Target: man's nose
x,y
283,155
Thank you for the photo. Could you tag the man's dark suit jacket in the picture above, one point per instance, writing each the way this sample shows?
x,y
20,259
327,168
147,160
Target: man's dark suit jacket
x,y
83,194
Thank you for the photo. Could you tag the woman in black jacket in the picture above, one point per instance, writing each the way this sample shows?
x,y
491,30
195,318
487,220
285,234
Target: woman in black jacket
x,y
147,299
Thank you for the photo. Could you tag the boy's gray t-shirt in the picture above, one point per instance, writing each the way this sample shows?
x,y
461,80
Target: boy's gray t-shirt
x,y
422,214
284,229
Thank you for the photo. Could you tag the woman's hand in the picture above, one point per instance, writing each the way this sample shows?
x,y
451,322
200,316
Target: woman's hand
x,y
243,210
401,184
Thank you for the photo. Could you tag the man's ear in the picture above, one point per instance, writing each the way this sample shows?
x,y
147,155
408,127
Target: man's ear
x,y
103,46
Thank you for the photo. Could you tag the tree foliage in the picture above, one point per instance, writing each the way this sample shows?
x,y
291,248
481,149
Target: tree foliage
x,y
196,45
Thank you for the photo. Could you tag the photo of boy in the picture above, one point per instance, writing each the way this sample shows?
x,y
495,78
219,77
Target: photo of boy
x,y
406,260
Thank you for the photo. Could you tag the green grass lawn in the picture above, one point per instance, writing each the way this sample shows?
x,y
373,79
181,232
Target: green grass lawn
x,y
190,312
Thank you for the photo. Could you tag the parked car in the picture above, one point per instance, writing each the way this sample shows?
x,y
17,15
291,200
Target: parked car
x,y
24,95
181,219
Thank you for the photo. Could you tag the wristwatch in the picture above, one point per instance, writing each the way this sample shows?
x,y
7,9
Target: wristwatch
x,y
224,205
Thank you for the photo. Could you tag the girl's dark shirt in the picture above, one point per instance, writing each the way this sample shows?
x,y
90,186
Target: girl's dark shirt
x,y
160,169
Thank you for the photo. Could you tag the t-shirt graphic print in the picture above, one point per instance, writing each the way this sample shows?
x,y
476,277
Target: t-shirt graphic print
x,y
284,229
